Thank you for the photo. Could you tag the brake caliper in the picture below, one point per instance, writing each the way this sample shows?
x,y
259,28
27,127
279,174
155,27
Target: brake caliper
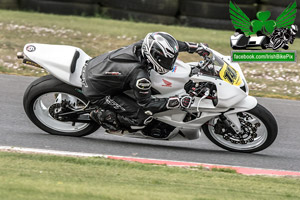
x,y
248,129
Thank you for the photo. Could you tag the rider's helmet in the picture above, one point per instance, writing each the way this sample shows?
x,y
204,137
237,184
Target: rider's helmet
x,y
161,50
294,29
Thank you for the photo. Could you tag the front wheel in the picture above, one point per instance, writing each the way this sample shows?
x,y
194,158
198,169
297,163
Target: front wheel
x,y
277,43
45,97
258,131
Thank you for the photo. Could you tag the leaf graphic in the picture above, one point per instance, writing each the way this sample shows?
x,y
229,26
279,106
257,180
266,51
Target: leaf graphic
x,y
270,26
256,25
263,24
263,15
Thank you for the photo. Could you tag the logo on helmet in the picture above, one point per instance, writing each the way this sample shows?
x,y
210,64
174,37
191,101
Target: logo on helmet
x,y
176,49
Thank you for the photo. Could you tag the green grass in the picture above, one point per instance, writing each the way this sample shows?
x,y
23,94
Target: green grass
x,y
27,176
97,35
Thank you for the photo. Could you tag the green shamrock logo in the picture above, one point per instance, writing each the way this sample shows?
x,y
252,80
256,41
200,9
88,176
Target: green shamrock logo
x,y
241,21
263,24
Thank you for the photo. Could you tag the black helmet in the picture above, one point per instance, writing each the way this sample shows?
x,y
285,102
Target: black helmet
x,y
161,50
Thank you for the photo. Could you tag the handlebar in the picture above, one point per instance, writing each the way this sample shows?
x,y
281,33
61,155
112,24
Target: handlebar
x,y
203,51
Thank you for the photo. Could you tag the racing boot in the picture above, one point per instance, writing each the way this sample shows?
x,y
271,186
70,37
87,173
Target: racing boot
x,y
134,124
105,118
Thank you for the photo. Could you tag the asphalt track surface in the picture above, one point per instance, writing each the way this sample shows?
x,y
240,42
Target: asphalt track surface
x,y
17,130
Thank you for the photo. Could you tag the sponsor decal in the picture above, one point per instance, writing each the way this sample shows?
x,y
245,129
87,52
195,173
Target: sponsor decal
x,y
114,104
30,62
230,75
146,92
30,48
176,49
143,84
167,83
174,68
113,73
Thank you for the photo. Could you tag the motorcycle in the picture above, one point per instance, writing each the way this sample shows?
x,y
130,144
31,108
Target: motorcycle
x,y
222,108
281,37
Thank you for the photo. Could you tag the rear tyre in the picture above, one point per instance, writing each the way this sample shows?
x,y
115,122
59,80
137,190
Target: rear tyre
x,y
259,140
39,99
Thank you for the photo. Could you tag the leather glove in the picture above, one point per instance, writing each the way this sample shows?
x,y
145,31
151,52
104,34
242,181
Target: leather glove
x,y
186,101
202,52
183,102
195,47
173,102
192,47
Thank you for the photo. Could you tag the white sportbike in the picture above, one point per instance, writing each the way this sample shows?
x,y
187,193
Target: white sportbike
x,y
222,108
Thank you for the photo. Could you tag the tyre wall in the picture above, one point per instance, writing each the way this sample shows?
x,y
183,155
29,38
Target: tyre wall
x,y
154,11
66,7
197,13
212,13
9,4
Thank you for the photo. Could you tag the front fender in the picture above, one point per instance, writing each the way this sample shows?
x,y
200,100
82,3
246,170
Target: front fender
x,y
246,104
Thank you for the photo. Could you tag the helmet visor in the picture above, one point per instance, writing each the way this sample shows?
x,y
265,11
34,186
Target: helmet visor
x,y
165,62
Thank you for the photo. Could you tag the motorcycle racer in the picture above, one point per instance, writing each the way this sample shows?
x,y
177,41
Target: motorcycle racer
x,y
281,37
107,76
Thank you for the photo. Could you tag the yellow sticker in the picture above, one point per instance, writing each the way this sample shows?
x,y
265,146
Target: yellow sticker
x,y
230,75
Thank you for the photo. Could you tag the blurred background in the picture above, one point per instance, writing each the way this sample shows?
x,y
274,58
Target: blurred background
x,y
196,13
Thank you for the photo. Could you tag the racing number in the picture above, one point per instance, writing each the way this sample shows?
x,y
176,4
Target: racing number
x,y
230,75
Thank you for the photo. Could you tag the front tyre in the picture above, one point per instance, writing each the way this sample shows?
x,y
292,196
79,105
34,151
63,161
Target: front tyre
x,y
259,130
41,99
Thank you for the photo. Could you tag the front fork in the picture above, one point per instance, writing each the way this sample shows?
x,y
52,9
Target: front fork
x,y
246,104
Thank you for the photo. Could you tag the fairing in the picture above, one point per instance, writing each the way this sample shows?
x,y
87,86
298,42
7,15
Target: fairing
x,y
57,60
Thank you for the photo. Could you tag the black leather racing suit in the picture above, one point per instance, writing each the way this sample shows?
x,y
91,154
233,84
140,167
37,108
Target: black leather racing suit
x,y
107,76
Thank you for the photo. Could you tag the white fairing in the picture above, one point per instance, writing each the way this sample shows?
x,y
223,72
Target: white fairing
x,y
172,82
57,59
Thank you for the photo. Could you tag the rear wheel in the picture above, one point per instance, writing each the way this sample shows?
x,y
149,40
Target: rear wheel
x,y
45,97
258,131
